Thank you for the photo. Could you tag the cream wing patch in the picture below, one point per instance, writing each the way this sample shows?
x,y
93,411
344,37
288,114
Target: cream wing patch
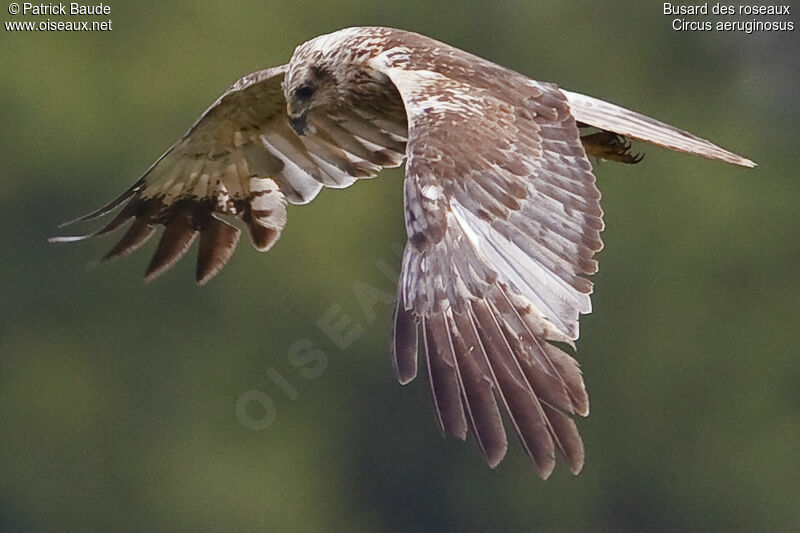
x,y
241,159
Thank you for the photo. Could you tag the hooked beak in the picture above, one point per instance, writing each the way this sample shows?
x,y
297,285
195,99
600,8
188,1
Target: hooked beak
x,y
298,119
299,123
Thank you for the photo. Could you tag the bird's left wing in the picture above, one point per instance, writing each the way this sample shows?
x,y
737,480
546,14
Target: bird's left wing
x,y
242,159
503,218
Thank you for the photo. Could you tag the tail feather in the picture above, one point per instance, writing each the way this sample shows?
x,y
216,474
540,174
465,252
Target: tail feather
x,y
610,117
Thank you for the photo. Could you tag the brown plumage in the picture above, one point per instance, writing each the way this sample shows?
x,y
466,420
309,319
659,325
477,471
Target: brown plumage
x,y
501,208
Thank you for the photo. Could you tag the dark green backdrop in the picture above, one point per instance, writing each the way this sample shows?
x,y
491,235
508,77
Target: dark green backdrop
x,y
118,399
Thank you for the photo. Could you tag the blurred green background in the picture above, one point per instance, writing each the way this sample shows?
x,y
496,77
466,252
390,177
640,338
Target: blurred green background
x,y
118,399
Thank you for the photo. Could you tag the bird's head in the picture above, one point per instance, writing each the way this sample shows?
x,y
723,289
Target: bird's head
x,y
305,88
324,72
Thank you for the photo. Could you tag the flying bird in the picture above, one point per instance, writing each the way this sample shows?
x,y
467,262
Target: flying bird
x,y
501,210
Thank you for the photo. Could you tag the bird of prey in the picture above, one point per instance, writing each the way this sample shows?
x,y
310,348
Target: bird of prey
x,y
501,210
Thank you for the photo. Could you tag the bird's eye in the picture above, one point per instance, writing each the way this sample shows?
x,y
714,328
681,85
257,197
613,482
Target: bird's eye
x,y
304,92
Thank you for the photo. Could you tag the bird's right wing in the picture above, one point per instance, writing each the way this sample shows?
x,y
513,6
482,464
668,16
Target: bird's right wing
x,y
610,117
241,158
